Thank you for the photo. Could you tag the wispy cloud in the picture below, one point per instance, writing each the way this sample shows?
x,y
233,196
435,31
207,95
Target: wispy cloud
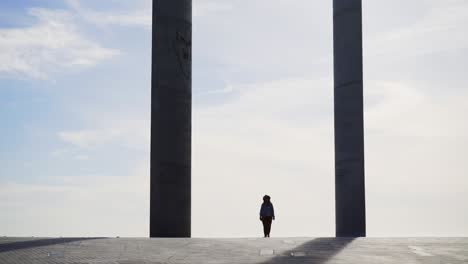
x,y
132,133
51,44
142,17
206,7
138,18
438,29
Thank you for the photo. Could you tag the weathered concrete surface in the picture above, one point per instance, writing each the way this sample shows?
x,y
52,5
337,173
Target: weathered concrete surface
x,y
349,125
248,250
171,119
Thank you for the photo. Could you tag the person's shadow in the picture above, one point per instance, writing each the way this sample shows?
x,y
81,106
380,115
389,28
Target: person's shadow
x,y
317,251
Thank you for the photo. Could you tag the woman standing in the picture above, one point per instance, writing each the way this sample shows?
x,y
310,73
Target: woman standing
x,y
267,215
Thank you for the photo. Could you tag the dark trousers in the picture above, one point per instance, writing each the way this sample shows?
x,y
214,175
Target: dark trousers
x,y
266,220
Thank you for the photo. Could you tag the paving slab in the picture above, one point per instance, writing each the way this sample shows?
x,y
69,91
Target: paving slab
x,y
233,250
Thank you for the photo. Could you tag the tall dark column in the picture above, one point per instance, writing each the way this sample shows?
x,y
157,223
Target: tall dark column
x,y
171,104
349,125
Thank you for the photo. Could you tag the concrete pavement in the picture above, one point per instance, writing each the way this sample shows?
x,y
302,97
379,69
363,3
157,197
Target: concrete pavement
x,y
235,250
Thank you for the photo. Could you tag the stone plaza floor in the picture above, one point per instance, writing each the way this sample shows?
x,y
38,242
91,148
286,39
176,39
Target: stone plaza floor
x,y
235,250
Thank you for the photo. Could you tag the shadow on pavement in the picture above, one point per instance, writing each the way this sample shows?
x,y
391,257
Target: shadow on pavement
x,y
317,251
17,245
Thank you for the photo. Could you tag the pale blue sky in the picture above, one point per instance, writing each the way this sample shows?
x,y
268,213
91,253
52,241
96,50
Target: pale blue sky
x,y
74,105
